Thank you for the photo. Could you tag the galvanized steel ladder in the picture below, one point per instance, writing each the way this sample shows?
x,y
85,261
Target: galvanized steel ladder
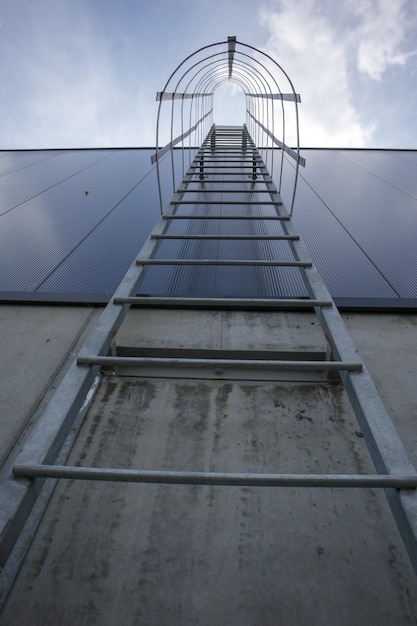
x,y
241,163
227,183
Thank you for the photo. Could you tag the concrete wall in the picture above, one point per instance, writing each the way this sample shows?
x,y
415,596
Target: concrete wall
x,y
39,343
108,552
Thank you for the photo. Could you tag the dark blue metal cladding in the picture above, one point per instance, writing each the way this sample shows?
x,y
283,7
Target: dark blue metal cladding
x,y
98,263
408,155
22,178
356,210
45,234
15,161
394,167
220,280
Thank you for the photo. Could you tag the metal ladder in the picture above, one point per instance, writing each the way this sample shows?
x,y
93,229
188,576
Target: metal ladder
x,y
228,163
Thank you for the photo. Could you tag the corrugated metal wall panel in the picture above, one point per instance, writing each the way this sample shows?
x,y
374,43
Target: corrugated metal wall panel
x,y
18,160
356,210
43,233
392,167
99,262
231,282
23,183
379,219
340,211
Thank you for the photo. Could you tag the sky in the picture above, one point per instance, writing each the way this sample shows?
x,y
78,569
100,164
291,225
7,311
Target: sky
x,y
84,73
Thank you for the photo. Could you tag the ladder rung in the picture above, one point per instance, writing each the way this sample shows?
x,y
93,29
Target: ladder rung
x,y
222,154
206,162
260,218
255,262
232,237
259,174
242,303
244,202
135,361
225,191
222,167
228,182
231,150
225,146
242,154
240,479
225,138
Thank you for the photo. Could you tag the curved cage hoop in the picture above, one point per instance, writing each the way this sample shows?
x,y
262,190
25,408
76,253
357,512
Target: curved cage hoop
x,y
190,116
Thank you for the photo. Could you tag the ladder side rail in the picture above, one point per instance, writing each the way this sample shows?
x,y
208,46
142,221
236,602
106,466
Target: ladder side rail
x,y
46,439
384,444
381,437
344,349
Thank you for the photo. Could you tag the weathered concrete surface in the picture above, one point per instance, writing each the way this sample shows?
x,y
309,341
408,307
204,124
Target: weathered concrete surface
x,y
388,345
38,344
140,554
221,330
109,553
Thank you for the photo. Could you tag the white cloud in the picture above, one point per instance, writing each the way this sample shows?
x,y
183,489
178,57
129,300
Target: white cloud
x,y
383,27
314,55
86,73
